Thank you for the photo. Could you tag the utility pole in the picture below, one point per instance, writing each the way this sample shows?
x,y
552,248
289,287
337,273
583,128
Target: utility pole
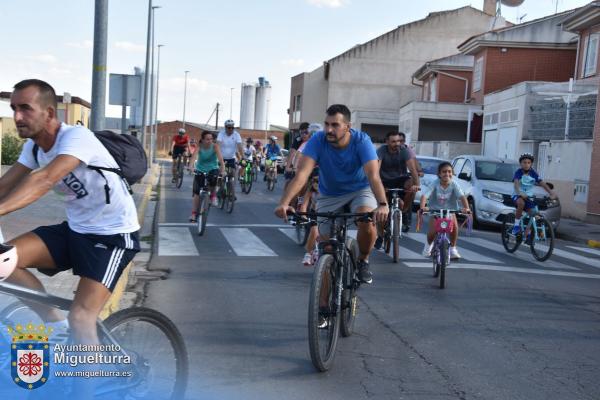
x,y
156,106
152,98
146,76
184,98
99,65
217,120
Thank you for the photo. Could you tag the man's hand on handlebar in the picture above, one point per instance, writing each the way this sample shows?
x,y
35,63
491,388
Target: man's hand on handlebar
x,y
282,211
380,214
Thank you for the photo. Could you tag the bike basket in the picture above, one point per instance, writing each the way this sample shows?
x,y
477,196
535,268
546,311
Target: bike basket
x,y
444,225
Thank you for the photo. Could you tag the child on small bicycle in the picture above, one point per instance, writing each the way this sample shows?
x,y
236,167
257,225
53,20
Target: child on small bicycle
x,y
444,193
525,179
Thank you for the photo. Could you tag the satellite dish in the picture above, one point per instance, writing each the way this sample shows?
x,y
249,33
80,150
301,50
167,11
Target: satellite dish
x,y
512,3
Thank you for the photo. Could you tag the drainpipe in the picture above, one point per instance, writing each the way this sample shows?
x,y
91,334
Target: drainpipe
x,y
458,77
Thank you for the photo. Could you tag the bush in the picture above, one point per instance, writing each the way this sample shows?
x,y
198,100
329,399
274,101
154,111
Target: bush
x,y
11,149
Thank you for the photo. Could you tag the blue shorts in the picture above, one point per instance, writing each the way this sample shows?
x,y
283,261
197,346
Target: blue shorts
x,y
101,258
528,203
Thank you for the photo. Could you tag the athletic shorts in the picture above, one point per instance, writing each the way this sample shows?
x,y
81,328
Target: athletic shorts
x,y
354,200
177,151
396,183
528,203
199,180
101,258
229,162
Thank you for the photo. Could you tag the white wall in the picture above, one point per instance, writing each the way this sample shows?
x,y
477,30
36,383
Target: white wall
x,y
411,113
314,101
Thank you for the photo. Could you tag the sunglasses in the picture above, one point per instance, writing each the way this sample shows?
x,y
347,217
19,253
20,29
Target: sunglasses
x,y
229,127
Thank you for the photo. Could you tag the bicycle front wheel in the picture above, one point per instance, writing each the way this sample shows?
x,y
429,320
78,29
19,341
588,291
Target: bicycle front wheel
x,y
542,246
179,174
323,318
510,241
230,198
249,180
349,297
270,183
203,214
157,350
397,220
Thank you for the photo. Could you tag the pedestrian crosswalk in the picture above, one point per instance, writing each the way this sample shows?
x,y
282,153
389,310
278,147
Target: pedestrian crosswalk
x,y
272,240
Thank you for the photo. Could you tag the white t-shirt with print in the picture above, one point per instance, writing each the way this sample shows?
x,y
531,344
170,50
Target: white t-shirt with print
x,y
228,143
83,188
248,151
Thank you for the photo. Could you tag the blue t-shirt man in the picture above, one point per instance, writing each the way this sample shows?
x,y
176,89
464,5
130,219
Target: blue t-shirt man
x,y
273,150
341,170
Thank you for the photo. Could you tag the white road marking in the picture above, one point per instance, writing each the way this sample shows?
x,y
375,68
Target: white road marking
x,y
176,241
508,269
586,250
526,257
289,232
592,262
246,244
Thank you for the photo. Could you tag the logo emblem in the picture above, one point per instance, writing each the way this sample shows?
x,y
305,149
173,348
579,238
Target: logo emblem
x,y
30,355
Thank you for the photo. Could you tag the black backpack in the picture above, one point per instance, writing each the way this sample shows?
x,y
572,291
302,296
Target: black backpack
x,y
127,151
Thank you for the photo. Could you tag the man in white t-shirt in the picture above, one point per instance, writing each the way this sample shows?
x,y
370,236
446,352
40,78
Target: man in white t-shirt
x,y
98,239
230,143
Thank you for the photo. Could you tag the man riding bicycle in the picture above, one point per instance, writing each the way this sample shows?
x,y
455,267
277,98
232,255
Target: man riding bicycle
x,y
395,159
230,143
180,147
348,176
272,151
98,239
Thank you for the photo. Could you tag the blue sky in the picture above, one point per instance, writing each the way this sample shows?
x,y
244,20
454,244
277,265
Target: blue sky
x,y
222,43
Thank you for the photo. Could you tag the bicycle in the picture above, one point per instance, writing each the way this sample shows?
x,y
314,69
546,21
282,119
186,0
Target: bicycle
x,y
393,229
541,243
226,194
204,207
153,374
440,251
270,171
247,176
179,168
303,229
335,283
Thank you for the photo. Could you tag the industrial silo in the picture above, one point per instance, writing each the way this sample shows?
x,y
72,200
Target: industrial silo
x,y
263,97
247,106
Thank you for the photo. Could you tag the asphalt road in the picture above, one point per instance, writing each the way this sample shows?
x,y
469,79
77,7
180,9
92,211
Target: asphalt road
x,y
504,328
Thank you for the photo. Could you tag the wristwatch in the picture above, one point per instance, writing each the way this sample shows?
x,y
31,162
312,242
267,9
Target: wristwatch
x,y
383,203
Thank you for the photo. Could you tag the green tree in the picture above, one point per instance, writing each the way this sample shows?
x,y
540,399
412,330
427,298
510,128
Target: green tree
x,y
11,149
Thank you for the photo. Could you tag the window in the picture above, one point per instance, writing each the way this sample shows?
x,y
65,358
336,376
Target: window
x,y
297,114
591,55
458,163
477,73
433,89
426,91
467,169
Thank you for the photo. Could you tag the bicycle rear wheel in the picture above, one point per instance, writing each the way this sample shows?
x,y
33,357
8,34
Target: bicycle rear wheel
x,y
323,334
397,220
544,245
157,351
14,313
270,183
249,180
203,214
349,297
510,241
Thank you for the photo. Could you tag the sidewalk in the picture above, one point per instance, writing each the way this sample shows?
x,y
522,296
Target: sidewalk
x,y
50,210
581,232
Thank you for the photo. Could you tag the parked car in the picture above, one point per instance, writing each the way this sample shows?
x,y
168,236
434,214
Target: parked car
x,y
488,185
428,167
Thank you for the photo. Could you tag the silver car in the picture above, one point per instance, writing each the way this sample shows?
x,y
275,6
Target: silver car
x,y
488,185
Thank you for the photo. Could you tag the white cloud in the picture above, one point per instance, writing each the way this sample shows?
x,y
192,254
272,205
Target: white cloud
x,y
130,46
328,3
85,44
293,62
44,58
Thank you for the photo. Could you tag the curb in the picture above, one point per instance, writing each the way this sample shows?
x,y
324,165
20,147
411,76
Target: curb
x,y
112,305
593,243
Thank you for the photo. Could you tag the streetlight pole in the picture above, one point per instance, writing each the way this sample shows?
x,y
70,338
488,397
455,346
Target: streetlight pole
x,y
184,97
152,98
156,106
231,104
146,76
99,64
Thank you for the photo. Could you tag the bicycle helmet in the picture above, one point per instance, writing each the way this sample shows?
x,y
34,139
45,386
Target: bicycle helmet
x,y
8,260
273,138
314,127
229,122
181,131
249,140
258,143
526,156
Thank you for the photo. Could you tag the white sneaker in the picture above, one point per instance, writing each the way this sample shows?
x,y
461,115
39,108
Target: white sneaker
x,y
427,249
454,253
307,260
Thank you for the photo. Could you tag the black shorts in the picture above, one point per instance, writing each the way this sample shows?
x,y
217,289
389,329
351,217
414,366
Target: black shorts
x,y
101,258
199,180
396,183
177,151
229,162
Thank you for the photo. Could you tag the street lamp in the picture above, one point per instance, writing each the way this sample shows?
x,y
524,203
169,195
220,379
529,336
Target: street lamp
x,y
231,104
184,98
146,77
156,104
152,98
